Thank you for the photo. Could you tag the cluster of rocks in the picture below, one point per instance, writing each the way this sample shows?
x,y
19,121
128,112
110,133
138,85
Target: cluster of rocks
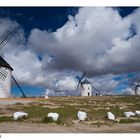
x,y
111,116
54,116
80,115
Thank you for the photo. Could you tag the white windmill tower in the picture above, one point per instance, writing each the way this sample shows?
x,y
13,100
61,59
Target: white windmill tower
x,y
137,89
86,86
5,78
5,68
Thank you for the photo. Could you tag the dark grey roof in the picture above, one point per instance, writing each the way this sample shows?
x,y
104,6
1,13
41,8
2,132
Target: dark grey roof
x,y
3,63
85,82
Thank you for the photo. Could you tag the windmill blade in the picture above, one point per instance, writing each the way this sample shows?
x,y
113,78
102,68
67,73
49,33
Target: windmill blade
x,y
7,36
82,86
23,94
80,79
82,76
96,90
78,85
3,40
136,88
3,74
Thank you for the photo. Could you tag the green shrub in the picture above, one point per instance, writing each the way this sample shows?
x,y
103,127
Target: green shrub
x,y
6,118
50,120
129,120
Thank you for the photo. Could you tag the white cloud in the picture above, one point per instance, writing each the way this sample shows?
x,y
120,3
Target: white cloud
x,y
97,40
105,84
128,91
68,83
49,92
91,41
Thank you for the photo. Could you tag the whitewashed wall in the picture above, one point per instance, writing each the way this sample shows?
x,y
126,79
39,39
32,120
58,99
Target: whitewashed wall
x,y
5,83
87,89
138,91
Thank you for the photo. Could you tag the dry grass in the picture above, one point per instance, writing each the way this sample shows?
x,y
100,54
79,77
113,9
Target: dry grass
x,y
96,108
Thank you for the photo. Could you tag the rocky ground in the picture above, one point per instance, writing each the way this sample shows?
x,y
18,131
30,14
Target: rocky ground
x,y
67,107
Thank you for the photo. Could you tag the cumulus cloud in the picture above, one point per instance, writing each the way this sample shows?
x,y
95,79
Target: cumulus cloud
x,y
105,84
67,83
128,91
91,41
96,40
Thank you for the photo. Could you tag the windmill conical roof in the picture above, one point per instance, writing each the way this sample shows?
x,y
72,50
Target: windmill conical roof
x,y
86,82
3,63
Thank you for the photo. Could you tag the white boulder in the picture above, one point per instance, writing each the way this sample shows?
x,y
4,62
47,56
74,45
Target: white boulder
x,y
110,116
129,114
81,115
46,97
19,115
54,116
137,112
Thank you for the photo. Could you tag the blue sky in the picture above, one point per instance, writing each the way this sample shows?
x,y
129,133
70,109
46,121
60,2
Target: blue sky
x,y
35,17
42,31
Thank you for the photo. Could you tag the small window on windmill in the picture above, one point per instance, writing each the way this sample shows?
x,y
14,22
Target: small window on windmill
x,y
88,88
3,73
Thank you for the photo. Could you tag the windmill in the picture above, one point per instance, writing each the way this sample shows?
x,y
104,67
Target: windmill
x,y
135,85
86,86
137,88
5,68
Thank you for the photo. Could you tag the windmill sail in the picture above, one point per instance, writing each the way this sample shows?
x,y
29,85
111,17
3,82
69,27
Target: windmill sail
x,y
8,34
3,73
137,87
80,79
23,94
96,90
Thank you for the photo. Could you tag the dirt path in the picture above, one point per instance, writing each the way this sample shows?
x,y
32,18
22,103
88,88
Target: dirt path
x,y
11,101
18,127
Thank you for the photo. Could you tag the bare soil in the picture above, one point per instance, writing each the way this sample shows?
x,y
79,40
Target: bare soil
x,y
20,127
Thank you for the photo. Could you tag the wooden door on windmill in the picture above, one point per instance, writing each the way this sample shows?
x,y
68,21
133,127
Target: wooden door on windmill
x,y
3,73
